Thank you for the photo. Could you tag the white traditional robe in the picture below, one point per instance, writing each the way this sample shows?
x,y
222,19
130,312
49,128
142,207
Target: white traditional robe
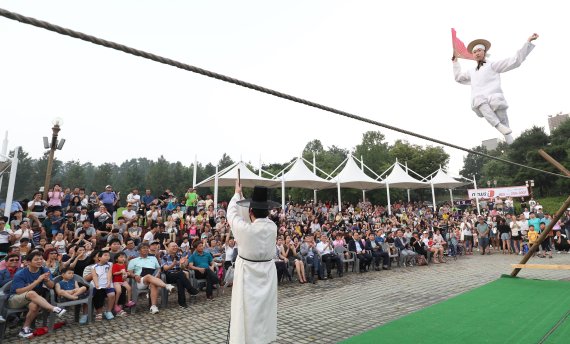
x,y
486,82
254,292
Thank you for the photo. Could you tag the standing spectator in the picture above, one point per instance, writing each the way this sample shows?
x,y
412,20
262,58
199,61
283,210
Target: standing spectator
x,y
147,198
55,197
505,231
483,231
134,199
102,280
109,198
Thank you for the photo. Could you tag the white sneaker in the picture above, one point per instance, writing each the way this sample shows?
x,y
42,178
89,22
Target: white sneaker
x,y
153,309
509,139
170,288
59,311
503,129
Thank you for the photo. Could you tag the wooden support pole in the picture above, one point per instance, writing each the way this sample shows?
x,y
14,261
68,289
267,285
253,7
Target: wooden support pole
x,y
555,218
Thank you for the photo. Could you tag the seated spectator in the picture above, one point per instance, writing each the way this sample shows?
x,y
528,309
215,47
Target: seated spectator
x,y
142,269
357,245
561,242
12,265
134,232
203,265
114,249
52,262
281,261
328,256
130,250
406,253
26,290
68,288
377,253
173,264
12,250
294,259
88,231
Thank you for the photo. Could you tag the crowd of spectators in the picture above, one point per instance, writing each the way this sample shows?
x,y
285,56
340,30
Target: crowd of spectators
x,y
147,241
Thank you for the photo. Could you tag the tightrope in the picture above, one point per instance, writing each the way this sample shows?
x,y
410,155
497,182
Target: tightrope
x,y
109,44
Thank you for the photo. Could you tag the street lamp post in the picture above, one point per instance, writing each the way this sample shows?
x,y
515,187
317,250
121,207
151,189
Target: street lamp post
x,y
52,146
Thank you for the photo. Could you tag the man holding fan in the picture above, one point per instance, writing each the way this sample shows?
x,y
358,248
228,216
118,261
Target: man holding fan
x,y
254,294
487,98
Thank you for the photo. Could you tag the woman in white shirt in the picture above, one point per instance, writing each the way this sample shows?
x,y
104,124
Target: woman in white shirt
x,y
516,235
466,227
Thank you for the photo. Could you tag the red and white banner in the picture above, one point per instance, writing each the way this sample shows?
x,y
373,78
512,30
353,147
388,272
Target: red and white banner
x,y
509,191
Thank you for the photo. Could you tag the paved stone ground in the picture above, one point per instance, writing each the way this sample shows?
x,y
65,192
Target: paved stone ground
x,y
327,312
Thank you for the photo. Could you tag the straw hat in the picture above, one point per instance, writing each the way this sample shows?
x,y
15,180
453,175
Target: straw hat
x,y
485,42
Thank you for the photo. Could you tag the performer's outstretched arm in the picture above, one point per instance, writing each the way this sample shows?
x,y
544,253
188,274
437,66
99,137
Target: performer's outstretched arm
x,y
515,61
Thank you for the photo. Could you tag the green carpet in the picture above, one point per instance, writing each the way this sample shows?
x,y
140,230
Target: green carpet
x,y
508,310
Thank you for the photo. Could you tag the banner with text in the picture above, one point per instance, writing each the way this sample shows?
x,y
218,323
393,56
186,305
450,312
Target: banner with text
x,y
510,191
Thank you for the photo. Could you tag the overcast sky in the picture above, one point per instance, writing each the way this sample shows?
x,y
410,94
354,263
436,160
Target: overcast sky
x,y
389,61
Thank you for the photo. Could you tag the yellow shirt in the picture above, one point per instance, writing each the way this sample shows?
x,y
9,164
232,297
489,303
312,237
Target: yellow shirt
x,y
532,237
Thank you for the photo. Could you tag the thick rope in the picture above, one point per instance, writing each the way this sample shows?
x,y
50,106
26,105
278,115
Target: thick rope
x,y
160,59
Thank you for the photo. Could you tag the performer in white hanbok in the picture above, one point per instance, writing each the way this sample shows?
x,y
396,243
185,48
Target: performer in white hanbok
x,y
254,294
487,98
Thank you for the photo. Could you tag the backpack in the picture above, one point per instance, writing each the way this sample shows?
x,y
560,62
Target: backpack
x,y
421,260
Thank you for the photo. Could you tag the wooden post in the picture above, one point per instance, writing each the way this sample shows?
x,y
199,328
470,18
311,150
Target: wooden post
x,y
555,218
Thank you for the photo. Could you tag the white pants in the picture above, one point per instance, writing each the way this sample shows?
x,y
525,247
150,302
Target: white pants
x,y
494,117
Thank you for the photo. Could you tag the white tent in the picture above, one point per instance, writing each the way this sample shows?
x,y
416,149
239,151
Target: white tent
x,y
228,176
353,177
299,176
399,179
441,180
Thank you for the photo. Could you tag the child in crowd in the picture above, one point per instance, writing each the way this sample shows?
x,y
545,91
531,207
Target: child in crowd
x,y
103,283
119,271
68,288
532,236
59,243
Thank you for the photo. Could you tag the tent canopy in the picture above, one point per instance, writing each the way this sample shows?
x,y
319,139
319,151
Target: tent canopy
x,y
353,177
443,181
299,176
399,179
228,176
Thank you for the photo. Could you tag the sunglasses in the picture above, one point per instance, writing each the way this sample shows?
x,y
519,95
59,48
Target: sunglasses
x,y
13,260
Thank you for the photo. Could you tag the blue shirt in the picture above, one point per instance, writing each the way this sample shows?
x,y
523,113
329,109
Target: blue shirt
x,y
147,199
201,260
137,264
25,277
536,223
67,285
167,260
107,197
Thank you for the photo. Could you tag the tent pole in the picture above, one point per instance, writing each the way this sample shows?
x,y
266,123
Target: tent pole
x,y
195,171
433,198
408,189
363,191
388,196
339,201
315,172
476,195
451,197
283,191
216,192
